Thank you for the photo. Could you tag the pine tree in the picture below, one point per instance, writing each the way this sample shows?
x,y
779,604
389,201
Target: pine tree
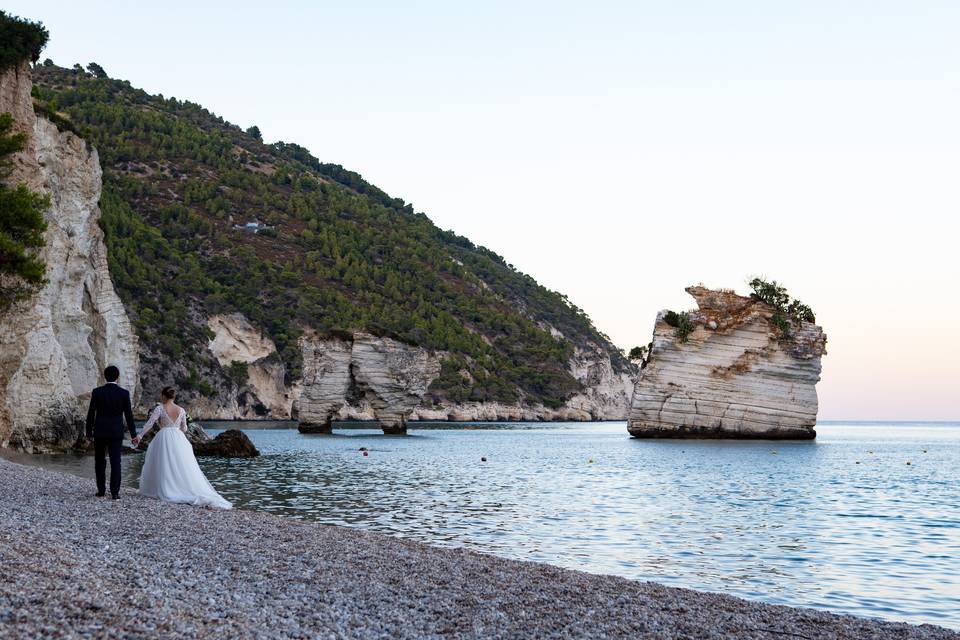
x,y
21,225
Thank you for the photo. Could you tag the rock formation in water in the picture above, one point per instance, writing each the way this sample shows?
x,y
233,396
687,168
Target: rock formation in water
x,y
385,376
736,375
232,443
54,345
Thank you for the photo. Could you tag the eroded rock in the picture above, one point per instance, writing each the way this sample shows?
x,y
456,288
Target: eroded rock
x,y
736,376
389,376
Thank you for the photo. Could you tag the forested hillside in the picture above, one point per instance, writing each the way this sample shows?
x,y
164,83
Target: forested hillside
x,y
338,255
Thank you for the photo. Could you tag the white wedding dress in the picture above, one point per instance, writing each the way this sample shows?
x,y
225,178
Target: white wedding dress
x,y
170,470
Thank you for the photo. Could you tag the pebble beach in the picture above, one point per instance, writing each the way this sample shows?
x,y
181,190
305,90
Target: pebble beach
x,y
76,566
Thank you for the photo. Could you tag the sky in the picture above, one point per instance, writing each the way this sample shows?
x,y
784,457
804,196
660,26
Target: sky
x,y
619,152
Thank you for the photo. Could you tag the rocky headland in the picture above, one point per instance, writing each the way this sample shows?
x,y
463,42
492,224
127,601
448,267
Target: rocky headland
x,y
230,310
54,346
360,376
737,367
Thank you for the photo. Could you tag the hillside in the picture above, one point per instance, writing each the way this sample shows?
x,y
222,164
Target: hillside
x,y
338,255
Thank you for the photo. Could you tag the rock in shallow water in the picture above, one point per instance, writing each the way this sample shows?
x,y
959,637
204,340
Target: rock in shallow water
x,y
232,443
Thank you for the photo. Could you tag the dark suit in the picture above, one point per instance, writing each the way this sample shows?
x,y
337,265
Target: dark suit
x,y
109,407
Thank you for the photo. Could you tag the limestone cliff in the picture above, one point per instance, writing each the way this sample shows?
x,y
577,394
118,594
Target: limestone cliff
x,y
54,346
358,376
735,376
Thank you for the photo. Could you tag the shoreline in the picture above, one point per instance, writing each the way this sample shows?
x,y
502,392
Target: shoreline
x,y
74,564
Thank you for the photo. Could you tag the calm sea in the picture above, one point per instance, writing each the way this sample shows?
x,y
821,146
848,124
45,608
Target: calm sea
x,y
864,520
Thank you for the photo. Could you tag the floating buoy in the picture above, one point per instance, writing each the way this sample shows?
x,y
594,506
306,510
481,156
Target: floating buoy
x,y
924,450
590,461
857,462
773,453
365,454
908,462
483,459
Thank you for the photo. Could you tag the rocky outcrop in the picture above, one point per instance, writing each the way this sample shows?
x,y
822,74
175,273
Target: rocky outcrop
x,y
605,395
383,374
363,377
54,346
263,392
735,376
606,392
232,443
326,381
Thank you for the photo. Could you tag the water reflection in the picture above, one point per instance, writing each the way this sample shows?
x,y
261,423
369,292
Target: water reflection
x,y
792,523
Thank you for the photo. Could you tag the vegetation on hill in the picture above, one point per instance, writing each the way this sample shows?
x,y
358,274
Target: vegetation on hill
x,y
338,254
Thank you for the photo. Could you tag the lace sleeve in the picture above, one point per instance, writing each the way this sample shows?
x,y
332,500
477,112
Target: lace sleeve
x,y
154,416
182,421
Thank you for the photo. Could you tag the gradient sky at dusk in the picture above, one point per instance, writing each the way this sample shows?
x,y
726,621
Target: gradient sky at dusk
x,y
619,152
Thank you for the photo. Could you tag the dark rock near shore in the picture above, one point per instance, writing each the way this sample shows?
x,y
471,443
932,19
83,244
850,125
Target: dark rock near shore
x,y
316,427
232,443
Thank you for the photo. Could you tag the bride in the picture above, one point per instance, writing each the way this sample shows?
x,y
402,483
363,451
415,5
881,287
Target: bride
x,y
170,471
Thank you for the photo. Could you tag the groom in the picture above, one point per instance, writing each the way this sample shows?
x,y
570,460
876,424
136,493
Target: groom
x,y
109,405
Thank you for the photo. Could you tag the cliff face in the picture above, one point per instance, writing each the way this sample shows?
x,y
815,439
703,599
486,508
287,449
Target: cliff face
x,y
54,346
734,377
364,377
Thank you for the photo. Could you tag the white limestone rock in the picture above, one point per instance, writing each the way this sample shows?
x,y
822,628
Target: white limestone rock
x,y
735,376
393,376
376,377
326,381
265,392
54,346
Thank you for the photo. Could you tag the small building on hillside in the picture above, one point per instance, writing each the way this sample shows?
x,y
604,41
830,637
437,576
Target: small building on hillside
x,y
253,227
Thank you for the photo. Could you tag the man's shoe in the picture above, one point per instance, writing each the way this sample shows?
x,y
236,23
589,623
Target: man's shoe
x,y
100,494
115,496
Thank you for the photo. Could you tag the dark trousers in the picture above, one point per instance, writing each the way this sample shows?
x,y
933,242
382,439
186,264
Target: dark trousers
x,y
101,446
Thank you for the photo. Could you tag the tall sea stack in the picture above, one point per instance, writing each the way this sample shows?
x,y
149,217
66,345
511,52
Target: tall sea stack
x,y
735,368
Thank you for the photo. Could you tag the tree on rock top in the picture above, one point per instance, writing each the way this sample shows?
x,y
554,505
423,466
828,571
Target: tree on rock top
x,y
20,40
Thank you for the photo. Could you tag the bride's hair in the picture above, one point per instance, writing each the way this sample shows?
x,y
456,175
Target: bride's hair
x,y
169,393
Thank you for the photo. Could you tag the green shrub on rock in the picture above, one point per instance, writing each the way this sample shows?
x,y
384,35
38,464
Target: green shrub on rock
x,y
21,226
681,322
786,312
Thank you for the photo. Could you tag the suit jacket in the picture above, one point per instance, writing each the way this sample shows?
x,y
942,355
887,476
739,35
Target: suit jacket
x,y
109,406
